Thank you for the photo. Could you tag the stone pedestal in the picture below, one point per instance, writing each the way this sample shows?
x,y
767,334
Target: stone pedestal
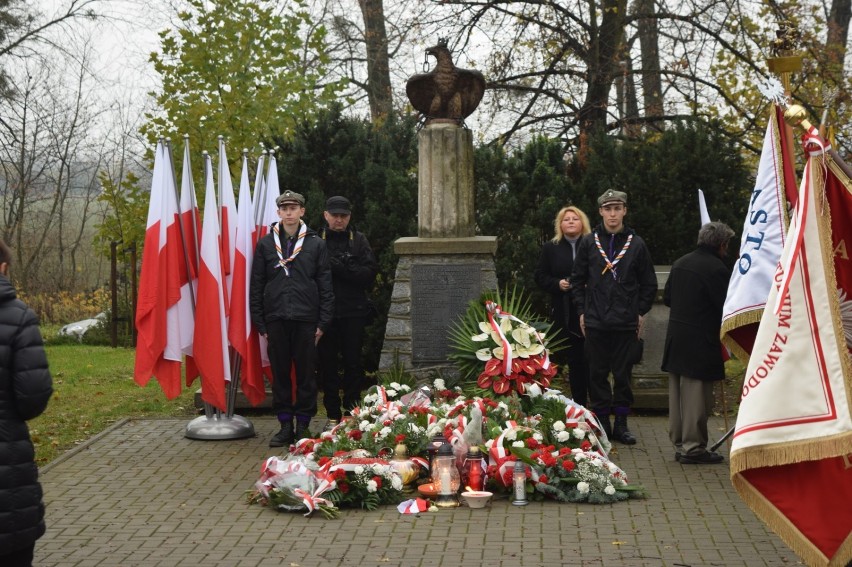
x,y
445,189
435,280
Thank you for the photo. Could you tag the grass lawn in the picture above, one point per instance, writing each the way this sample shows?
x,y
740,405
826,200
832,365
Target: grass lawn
x,y
93,388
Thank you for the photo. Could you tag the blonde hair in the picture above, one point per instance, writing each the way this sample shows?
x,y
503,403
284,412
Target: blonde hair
x,y
557,224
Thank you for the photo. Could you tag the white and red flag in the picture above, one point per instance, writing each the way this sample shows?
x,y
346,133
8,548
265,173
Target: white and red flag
x,y
210,347
791,458
190,227
159,284
228,218
267,216
241,332
763,237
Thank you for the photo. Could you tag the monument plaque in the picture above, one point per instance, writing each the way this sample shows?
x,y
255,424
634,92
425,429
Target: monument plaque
x,y
439,294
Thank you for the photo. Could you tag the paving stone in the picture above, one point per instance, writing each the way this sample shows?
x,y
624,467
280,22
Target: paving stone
x,y
142,494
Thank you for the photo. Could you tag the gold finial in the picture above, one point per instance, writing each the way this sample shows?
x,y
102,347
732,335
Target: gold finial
x,y
796,115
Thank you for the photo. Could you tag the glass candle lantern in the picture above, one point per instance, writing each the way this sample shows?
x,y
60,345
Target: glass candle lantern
x,y
519,484
473,470
446,478
433,446
407,469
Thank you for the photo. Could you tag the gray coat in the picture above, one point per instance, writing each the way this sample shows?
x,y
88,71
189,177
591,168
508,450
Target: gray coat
x,y
695,292
25,388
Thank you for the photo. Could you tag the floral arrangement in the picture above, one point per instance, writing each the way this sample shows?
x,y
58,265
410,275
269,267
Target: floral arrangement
x,y
516,354
367,485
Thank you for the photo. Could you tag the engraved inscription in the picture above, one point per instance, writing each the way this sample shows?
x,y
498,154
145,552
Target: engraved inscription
x,y
439,295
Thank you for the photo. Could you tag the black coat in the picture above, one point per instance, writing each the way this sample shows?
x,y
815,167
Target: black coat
x,y
25,388
554,264
305,295
607,303
695,292
353,271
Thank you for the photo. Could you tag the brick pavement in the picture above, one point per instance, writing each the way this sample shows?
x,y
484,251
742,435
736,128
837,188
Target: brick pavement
x,y
141,494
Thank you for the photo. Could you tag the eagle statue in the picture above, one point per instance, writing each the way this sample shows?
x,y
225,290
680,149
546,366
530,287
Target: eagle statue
x,y
446,93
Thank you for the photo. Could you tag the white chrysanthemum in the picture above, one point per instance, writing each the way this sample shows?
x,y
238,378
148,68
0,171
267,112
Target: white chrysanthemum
x,y
413,428
558,426
384,432
518,444
511,434
433,430
439,384
579,432
370,399
538,436
391,393
359,470
396,482
563,436
404,388
610,489
583,487
399,417
364,425
372,486
394,385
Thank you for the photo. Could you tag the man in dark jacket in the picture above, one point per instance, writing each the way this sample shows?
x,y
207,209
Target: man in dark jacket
x,y
291,302
614,287
695,291
25,388
353,271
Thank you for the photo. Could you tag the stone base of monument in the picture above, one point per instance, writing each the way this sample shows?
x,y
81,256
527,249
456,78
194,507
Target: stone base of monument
x,y
435,280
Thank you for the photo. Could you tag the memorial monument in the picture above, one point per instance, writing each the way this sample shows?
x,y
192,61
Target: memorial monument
x,y
445,266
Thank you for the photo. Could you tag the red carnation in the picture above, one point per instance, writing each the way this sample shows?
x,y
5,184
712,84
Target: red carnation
x,y
344,487
378,481
400,438
568,465
585,445
532,443
355,434
543,478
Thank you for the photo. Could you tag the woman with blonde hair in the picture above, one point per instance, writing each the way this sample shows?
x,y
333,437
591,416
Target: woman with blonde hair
x,y
553,275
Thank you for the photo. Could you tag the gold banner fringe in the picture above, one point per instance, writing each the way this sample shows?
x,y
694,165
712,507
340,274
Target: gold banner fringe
x,y
788,453
735,322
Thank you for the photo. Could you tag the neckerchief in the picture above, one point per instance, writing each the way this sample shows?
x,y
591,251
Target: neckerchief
x,y
282,262
610,265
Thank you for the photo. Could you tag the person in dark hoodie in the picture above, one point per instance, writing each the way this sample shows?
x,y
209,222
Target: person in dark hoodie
x,y
25,388
353,271
291,301
614,287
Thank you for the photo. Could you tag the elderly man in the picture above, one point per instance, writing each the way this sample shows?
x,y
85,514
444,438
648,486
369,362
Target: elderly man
x,y
695,291
291,302
353,271
614,287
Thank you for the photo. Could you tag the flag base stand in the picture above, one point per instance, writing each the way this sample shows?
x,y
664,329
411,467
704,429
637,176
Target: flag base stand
x,y
219,427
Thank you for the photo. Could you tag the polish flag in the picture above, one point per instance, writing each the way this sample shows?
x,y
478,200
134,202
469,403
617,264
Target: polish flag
x,y
229,219
159,286
268,215
241,332
210,347
190,226
258,197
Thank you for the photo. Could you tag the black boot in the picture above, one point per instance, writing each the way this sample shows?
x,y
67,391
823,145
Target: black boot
x,y
284,437
621,433
302,429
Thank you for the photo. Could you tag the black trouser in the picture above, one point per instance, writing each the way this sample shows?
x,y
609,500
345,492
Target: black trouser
x,y
607,352
578,369
293,342
344,337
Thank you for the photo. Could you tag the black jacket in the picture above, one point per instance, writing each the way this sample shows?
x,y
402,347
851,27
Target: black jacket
x,y
613,304
556,263
695,291
353,271
25,388
305,295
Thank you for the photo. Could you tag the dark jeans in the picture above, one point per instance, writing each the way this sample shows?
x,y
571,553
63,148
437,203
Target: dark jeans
x,y
343,340
19,558
607,352
293,342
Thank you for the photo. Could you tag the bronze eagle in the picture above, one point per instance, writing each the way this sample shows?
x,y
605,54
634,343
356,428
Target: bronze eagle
x,y
446,92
